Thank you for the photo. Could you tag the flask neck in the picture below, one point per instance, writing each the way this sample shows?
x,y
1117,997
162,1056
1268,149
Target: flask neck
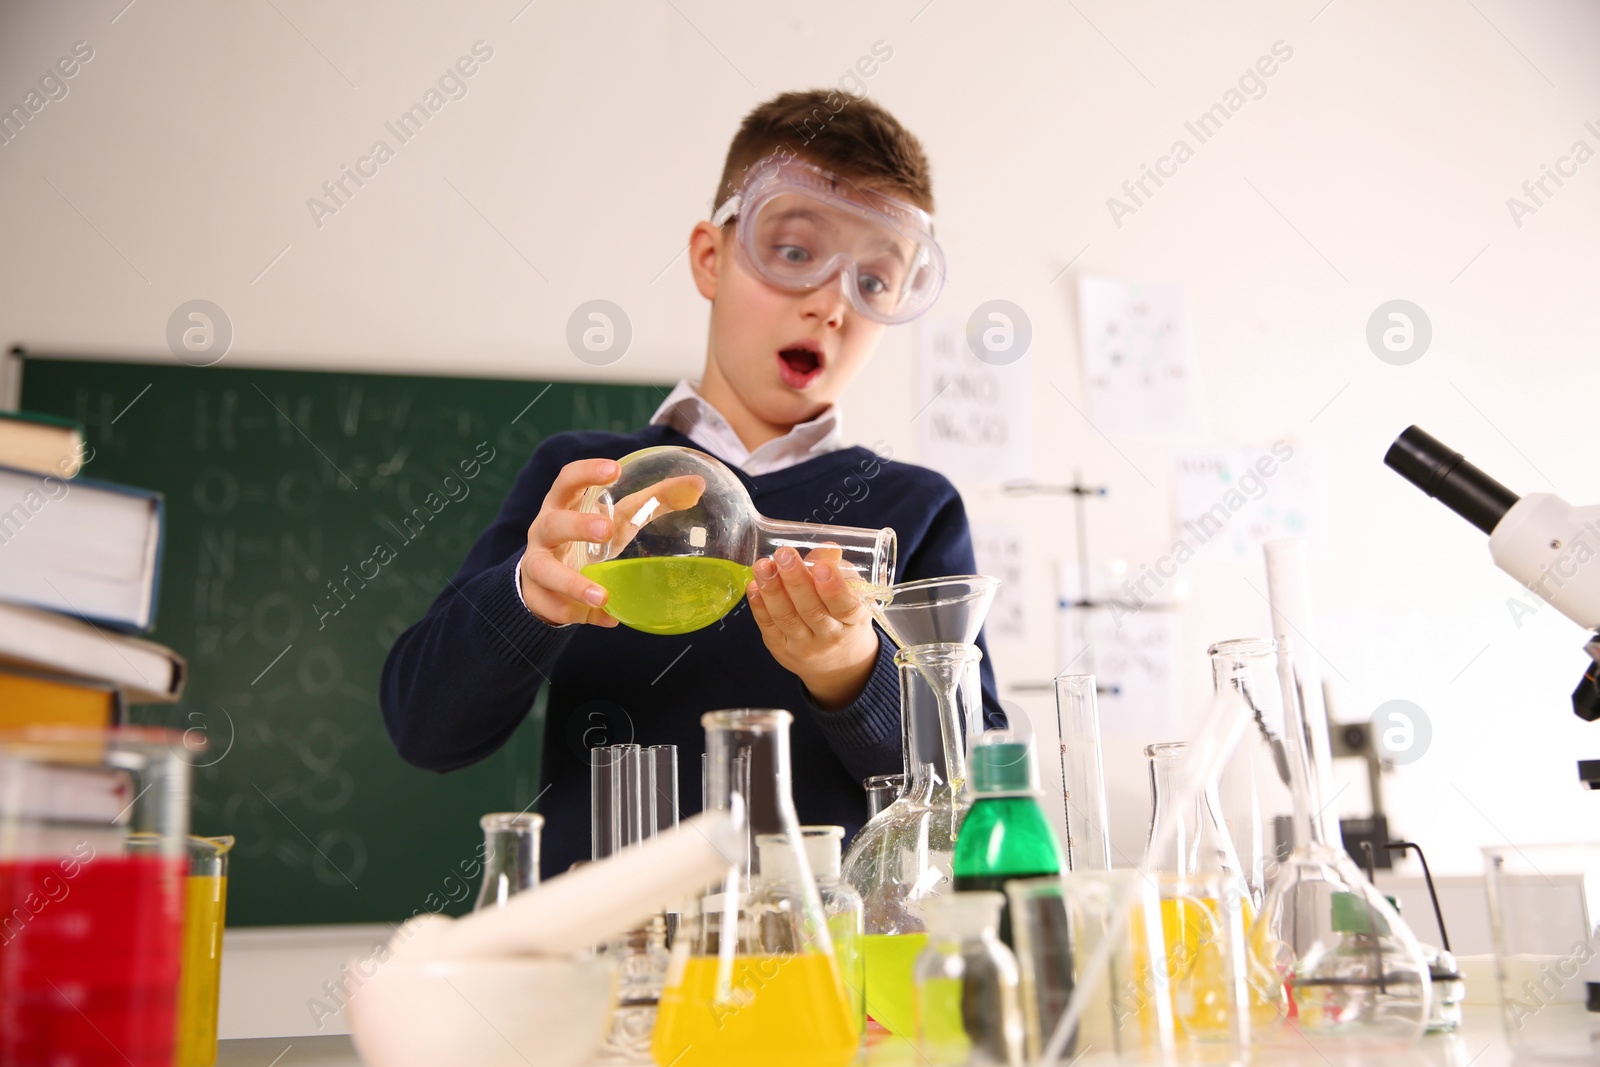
x,y
1201,844
865,556
748,776
510,856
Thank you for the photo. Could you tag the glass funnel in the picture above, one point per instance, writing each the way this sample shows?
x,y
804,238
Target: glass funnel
x,y
936,610
753,977
905,854
1255,794
685,536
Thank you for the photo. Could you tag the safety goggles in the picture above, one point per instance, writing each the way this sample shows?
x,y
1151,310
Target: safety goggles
x,y
797,230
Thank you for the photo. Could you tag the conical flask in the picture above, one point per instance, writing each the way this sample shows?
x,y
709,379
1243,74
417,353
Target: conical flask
x,y
1356,975
905,854
1256,793
685,536
753,977
510,856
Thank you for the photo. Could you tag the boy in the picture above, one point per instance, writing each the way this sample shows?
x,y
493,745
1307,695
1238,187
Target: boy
x,y
815,248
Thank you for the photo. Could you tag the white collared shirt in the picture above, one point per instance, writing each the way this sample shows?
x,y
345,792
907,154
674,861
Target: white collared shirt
x,y
686,411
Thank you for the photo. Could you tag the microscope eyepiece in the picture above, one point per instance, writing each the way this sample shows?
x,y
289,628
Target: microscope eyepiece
x,y
1440,472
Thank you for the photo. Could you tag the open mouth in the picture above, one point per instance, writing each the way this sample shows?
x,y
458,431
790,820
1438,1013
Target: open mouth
x,y
799,364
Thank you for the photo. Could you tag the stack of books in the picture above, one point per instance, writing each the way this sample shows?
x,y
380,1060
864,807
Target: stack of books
x,y
80,564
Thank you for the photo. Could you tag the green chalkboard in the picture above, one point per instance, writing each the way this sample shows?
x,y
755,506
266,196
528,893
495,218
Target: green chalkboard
x,y
275,482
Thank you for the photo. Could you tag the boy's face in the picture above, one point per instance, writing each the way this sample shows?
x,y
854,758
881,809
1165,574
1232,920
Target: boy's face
x,y
784,355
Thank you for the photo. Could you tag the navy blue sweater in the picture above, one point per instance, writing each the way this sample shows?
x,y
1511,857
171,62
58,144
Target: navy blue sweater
x,y
459,682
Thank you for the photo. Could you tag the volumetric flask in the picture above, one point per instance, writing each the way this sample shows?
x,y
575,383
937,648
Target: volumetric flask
x,y
753,977
93,864
905,854
685,536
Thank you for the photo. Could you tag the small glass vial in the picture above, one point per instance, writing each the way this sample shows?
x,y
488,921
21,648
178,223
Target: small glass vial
x,y
510,856
841,904
1449,991
966,998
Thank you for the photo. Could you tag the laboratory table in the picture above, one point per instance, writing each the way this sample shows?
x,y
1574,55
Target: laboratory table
x,y
1480,1043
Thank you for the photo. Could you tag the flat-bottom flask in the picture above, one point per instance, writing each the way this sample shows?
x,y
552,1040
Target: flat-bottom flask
x,y
905,854
752,978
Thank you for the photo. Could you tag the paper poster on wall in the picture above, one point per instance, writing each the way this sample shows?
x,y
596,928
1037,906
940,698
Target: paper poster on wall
x,y
1138,372
974,419
1000,548
1232,498
1130,649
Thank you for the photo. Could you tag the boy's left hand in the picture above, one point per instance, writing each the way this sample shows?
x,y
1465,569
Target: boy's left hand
x,y
814,624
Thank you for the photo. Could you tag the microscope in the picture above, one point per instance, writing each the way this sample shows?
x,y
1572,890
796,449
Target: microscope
x,y
1542,541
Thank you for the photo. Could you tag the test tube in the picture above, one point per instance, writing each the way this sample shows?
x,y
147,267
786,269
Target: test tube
x,y
631,795
661,770
1083,783
605,802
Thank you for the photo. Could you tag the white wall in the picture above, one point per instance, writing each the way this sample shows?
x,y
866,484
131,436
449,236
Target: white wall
x,y
588,145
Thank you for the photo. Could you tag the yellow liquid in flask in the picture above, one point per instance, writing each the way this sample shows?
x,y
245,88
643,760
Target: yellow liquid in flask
x,y
782,1011
670,594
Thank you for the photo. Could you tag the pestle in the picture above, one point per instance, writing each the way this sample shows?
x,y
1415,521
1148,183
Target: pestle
x,y
593,903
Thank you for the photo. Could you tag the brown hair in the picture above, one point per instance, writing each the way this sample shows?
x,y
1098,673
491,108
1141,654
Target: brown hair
x,y
849,135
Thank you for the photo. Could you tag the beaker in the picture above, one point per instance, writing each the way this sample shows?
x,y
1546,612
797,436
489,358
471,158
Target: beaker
x,y
510,856
753,977
966,992
1544,904
88,911
1083,783
1256,794
685,537
200,982
905,854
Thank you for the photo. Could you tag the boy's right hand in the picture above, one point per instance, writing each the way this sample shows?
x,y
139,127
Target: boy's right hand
x,y
554,592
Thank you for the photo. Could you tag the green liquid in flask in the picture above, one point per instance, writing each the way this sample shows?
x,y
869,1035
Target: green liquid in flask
x,y
889,962
670,594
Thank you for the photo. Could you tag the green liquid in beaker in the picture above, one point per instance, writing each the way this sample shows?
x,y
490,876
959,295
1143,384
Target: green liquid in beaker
x,y
670,594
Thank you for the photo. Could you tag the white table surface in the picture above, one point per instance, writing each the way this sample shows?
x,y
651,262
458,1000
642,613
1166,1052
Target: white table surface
x,y
1480,1043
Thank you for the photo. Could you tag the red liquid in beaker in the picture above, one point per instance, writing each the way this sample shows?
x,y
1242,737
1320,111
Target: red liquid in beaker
x,y
89,960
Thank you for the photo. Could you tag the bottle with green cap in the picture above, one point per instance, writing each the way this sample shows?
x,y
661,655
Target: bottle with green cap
x,y
1005,835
